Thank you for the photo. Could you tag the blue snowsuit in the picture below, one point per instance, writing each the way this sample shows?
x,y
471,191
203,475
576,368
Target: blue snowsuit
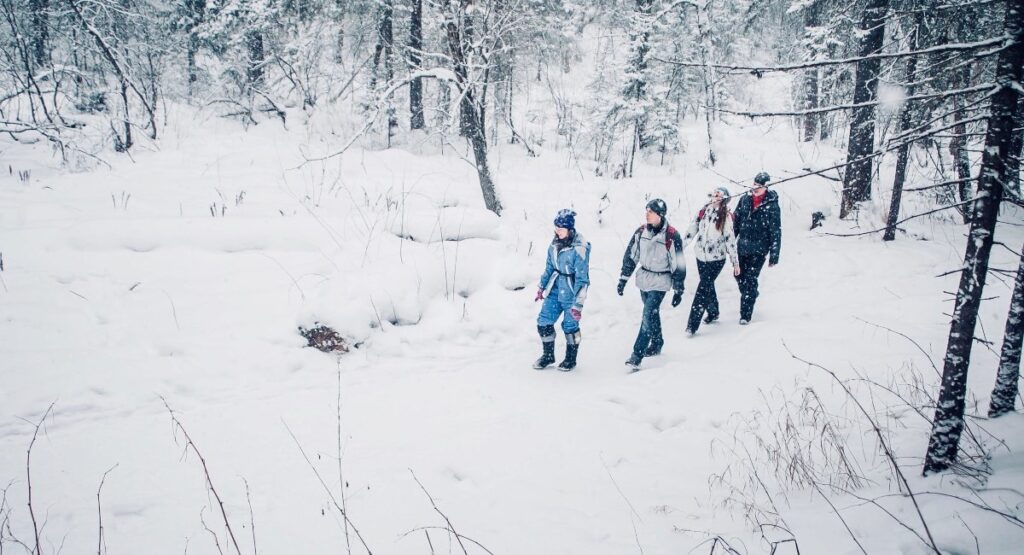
x,y
567,273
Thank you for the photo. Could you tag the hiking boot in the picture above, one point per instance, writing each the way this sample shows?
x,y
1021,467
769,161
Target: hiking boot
x,y
653,350
634,362
744,321
709,319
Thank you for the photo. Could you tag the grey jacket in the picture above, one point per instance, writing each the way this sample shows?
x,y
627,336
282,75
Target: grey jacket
x,y
659,255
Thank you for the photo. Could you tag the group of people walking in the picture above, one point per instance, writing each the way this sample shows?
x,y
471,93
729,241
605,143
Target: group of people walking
x,y
746,238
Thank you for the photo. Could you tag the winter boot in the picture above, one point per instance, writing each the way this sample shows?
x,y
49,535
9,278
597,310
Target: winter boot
x,y
547,340
654,349
572,348
634,362
709,319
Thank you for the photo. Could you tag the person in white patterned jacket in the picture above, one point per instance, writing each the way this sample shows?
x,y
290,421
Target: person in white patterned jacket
x,y
714,240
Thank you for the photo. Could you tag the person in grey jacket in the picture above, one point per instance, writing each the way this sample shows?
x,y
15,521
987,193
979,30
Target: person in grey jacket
x,y
714,240
657,250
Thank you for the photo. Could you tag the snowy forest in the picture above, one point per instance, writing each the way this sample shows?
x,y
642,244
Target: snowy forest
x,y
269,276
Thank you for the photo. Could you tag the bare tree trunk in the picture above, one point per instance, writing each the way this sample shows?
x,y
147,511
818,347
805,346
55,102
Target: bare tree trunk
x,y
40,10
1004,394
387,38
1016,151
811,19
906,119
383,61
636,87
949,414
958,144
196,13
708,75
257,57
341,8
470,123
857,181
416,119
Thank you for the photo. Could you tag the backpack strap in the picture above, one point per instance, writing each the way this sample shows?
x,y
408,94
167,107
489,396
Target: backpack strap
x,y
670,232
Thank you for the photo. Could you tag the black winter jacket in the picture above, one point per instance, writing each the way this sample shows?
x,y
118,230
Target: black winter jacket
x,y
759,231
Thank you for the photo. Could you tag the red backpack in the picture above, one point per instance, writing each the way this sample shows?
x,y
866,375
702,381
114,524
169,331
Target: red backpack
x,y
670,232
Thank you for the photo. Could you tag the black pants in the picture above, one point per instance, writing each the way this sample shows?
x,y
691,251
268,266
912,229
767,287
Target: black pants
x,y
750,270
650,326
706,298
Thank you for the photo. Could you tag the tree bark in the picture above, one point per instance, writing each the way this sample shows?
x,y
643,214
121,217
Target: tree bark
x,y
903,153
1004,394
949,414
708,75
196,13
341,8
416,119
40,10
636,85
1016,151
257,57
857,181
811,19
958,144
471,124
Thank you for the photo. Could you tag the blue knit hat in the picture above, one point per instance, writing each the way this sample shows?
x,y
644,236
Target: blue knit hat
x,y
566,218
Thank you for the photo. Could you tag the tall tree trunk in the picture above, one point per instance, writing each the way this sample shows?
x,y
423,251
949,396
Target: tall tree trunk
x,y
636,85
857,181
383,61
257,57
708,75
810,100
416,120
1016,151
958,144
458,42
341,8
387,38
196,14
949,414
906,119
1004,394
466,109
40,10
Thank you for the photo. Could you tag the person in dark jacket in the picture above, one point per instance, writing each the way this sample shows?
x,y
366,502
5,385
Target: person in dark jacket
x,y
657,249
566,277
759,228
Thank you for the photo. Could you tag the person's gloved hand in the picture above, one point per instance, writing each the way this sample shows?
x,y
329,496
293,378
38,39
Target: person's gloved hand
x,y
576,314
540,295
621,287
677,298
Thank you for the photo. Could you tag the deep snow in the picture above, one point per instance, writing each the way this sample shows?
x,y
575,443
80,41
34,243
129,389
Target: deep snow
x,y
192,291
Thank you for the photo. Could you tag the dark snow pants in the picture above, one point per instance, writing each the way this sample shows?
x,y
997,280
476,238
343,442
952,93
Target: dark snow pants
x,y
650,326
750,270
706,298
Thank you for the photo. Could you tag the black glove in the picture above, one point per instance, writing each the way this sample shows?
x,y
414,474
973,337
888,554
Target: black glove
x,y
621,287
677,298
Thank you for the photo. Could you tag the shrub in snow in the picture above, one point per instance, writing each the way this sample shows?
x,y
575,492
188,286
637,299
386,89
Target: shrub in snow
x,y
324,339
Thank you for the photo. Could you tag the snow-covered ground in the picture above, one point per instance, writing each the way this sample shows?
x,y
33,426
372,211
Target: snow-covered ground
x,y
182,276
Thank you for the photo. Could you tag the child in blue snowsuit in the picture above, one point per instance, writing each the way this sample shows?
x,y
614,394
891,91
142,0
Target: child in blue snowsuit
x,y
567,273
